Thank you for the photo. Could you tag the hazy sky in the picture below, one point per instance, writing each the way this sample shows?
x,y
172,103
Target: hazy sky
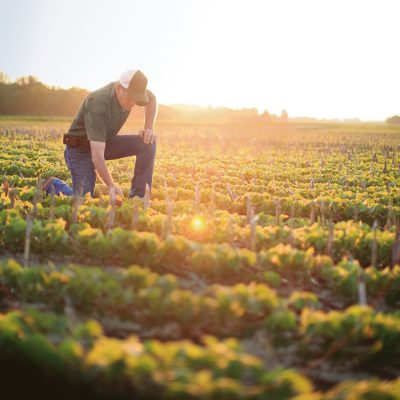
x,y
319,58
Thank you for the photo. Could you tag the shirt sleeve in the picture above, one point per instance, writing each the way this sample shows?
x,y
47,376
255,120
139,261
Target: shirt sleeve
x,y
95,119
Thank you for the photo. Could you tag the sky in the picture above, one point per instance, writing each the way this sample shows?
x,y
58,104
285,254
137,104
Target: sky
x,y
317,58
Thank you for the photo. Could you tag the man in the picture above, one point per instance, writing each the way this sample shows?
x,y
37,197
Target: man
x,y
92,138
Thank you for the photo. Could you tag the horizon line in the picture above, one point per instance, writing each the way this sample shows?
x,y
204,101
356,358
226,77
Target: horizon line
x,y
210,105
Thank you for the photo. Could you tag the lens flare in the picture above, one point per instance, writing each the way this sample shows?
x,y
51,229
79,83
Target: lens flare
x,y
198,223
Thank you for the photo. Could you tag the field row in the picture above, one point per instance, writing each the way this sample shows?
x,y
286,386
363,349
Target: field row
x,y
78,358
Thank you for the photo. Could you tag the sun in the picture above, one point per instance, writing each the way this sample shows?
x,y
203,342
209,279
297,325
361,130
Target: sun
x,y
198,223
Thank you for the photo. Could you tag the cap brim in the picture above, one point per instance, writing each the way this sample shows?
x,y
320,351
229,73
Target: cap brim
x,y
140,98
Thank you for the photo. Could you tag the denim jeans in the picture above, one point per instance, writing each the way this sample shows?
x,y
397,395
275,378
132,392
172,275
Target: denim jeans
x,y
79,162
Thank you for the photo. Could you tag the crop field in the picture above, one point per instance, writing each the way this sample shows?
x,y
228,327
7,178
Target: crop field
x,y
264,265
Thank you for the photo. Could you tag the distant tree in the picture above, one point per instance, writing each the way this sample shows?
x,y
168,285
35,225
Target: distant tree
x,y
4,78
266,115
27,80
395,120
284,116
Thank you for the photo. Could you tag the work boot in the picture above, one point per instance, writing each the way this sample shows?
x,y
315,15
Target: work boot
x,y
132,193
59,186
46,184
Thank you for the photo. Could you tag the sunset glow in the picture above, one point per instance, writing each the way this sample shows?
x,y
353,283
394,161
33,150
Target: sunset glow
x,y
326,59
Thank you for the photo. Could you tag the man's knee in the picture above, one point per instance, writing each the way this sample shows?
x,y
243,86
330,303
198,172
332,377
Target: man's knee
x,y
149,148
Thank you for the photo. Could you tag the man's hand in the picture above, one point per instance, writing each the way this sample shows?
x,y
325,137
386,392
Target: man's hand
x,y
116,195
148,135
97,151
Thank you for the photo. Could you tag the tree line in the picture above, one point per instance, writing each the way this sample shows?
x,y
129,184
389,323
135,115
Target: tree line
x,y
28,96
395,120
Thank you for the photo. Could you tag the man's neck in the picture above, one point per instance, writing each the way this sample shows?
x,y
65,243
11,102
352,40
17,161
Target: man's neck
x,y
117,97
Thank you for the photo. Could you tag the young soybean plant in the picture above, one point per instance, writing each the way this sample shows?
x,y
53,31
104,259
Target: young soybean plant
x,y
146,202
29,225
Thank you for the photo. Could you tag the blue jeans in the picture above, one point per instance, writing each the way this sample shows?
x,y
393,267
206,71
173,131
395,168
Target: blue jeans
x,y
79,162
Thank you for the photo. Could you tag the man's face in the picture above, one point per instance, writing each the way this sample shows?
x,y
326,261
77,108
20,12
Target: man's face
x,y
124,100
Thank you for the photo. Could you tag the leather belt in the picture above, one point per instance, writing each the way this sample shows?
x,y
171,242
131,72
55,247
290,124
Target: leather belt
x,y
76,141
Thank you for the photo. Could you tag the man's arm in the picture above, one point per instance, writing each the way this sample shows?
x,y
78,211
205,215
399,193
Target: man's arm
x,y
97,150
150,113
